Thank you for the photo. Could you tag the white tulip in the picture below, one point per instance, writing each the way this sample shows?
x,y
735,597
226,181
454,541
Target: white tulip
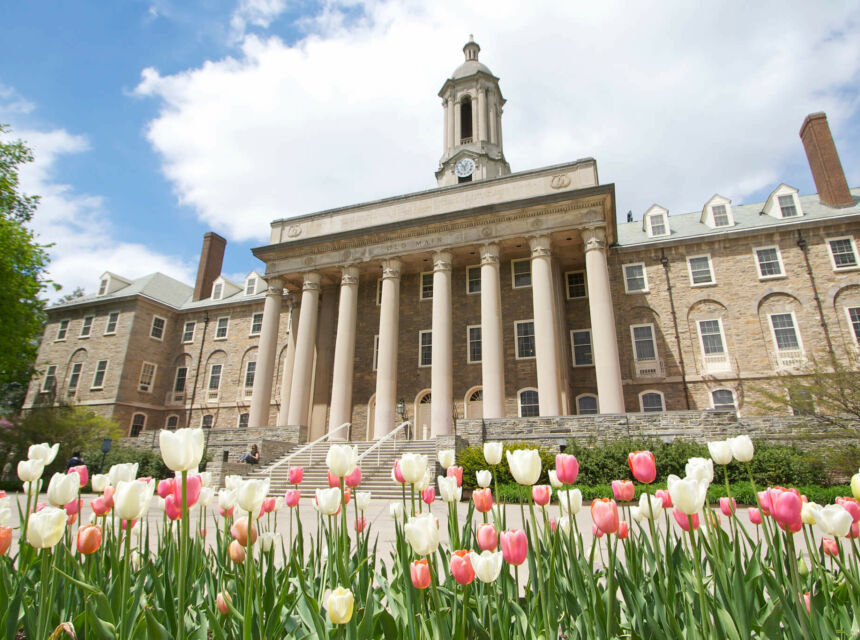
x,y
636,514
424,482
43,452
742,448
422,533
652,509
700,469
688,494
63,488
182,450
328,500
553,479
413,466
395,510
100,482
446,457
268,539
493,452
131,499
484,478
570,501
125,472
6,514
525,465
564,524
808,511
362,500
205,478
487,565
250,495
342,459
232,482
448,489
226,499
46,527
159,504
834,520
721,451
32,488
30,470
206,495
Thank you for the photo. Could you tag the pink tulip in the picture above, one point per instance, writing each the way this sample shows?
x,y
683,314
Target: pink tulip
x,y
2,495
566,468
855,530
146,479
623,491
5,539
429,495
663,494
99,506
239,531
456,472
764,500
89,539
165,487
830,546
40,506
642,466
728,507
419,570
347,494
72,508
623,529
515,546
221,602
553,524
108,496
754,515
483,499
461,567
541,494
297,474
596,532
269,505
83,472
398,476
72,519
333,480
236,552
360,524
353,479
193,485
785,509
807,602
683,519
126,524
172,508
292,497
226,513
604,513
851,506
486,535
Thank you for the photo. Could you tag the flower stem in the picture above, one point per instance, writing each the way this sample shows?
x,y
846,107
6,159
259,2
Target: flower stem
x,y
249,575
183,557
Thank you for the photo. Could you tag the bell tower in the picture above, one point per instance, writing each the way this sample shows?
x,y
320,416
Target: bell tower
x,y
472,103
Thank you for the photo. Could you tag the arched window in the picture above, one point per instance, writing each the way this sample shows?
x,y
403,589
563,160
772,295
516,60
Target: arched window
x,y
723,400
138,422
528,401
466,120
477,396
172,422
586,404
651,401
207,421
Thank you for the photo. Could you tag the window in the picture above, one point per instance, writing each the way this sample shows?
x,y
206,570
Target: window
x,y
113,319
843,253
138,421
635,279
525,334
700,270
714,352
854,322
378,291
580,341
250,370
251,287
243,420
586,404
723,400
651,401
375,351
473,335
75,376
157,329
99,377
426,285
207,421
769,262
49,384
103,285
789,352
476,396
521,273
87,327
466,120
787,206
256,324
643,342
217,289
425,348
721,215
221,328
473,279
62,330
172,422
657,225
179,381
576,287
147,375
214,378
188,332
528,401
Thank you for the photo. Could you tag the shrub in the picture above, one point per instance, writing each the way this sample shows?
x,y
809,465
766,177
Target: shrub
x,y
472,460
149,461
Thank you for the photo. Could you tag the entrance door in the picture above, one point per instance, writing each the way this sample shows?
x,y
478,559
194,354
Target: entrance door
x,y
475,404
422,416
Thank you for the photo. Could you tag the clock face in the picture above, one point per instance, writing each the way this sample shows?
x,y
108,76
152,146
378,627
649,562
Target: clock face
x,y
464,167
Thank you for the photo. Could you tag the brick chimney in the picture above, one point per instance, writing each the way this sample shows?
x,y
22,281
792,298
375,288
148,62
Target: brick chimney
x,y
824,162
211,259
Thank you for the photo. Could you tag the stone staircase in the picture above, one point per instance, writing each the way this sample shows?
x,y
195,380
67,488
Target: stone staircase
x,y
376,468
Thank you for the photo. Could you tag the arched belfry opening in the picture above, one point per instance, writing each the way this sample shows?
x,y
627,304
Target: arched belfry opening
x,y
466,120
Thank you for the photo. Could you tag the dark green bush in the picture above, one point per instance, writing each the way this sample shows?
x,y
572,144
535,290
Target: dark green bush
x,y
149,461
472,460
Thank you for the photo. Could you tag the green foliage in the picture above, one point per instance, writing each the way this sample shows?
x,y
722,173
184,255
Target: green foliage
x,y
472,460
150,462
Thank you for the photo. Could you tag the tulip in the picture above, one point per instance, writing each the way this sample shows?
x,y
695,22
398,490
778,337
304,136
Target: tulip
x,y
446,457
684,519
292,497
395,510
553,524
221,602
570,501
566,468
6,517
297,474
595,531
46,527
40,506
554,482
240,531
807,602
830,546
236,552
100,482
525,465
226,499
515,546
700,469
362,500
623,529
423,482
422,533
650,506
206,495
333,481
63,489
541,494
131,499
165,487
172,508
268,540
623,490
786,509
461,567
483,499
413,466
353,479
71,508
851,506
642,466
71,519
455,472
484,478
328,500
728,506
604,512
448,489
127,471
834,520
742,448
855,530
855,485
420,572
663,494
339,604
636,513
89,539
429,495
486,536
564,524
30,470
99,506
43,452
397,474
193,487
231,483
251,493
342,459
182,449
721,451
764,502
83,474
808,512
687,494
493,452
360,524
268,506
5,540
754,515
347,494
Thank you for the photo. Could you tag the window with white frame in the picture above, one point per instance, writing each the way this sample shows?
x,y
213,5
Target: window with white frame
x,y
375,352
113,319
650,401
525,336
103,285
172,422
843,253
473,348
147,376
721,215
62,330
576,286
580,346
714,354
75,376
250,371
426,292
138,422
217,290
188,332
251,286
529,405
243,420
157,329
787,206
586,404
49,383
221,327
723,400
521,273
378,291
788,348
769,262
425,348
87,327
99,376
644,347
854,322
700,270
207,421
473,279
214,381
179,382
256,324
657,225
635,279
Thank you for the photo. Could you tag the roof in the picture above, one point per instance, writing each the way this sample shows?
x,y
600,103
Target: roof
x,y
470,68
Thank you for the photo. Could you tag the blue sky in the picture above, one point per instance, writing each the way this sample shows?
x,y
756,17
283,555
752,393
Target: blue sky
x,y
154,121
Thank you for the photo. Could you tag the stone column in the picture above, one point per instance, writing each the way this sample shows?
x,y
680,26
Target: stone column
x,y
491,117
386,364
261,395
442,372
289,359
300,389
446,131
546,348
482,114
457,123
449,115
492,345
344,354
604,342
474,119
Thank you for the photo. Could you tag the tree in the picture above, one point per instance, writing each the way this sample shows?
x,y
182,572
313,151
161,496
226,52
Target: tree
x,y
74,295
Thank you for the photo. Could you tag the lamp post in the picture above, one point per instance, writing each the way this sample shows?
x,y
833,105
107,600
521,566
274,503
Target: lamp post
x,y
105,449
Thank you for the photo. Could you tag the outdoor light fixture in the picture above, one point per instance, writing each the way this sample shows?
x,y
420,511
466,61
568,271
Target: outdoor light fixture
x,y
105,449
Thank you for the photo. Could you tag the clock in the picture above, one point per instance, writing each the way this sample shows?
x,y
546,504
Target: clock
x,y
464,167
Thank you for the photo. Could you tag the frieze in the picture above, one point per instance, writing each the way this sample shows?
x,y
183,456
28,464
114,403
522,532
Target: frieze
x,y
560,181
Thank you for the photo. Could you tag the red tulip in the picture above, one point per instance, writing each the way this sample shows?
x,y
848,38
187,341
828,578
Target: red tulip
x,y
515,546
239,531
456,472
165,487
398,475
89,539
2,494
172,508
461,567
347,494
830,546
360,524
72,508
297,474
221,602
226,513
785,508
125,524
486,536
483,499
333,480
5,540
193,485
292,497
623,529
429,495
566,468
851,506
420,572
604,512
83,472
855,530
553,524
683,519
642,466
353,479
754,515
623,491
269,505
728,507
541,494
595,531
663,494
236,552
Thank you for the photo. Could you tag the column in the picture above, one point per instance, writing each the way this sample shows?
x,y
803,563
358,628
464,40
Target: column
x,y
482,114
491,117
300,389
449,114
442,371
492,345
546,349
604,342
386,364
446,131
289,359
474,119
344,353
457,123
261,395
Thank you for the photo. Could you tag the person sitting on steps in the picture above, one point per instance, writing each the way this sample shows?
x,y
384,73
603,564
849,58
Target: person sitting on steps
x,y
253,457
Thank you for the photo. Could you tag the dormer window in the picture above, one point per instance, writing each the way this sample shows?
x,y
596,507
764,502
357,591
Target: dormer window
x,y
655,222
721,216
783,203
787,207
251,286
217,290
657,225
103,285
717,212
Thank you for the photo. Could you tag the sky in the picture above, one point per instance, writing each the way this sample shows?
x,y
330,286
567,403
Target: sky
x,y
155,121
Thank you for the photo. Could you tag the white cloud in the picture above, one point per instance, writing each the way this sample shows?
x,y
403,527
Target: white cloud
x,y
257,13
676,101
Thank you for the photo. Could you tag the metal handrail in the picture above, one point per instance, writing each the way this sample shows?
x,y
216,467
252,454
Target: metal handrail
x,y
377,445
309,445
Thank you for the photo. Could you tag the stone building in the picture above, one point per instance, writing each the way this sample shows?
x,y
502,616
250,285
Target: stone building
x,y
496,294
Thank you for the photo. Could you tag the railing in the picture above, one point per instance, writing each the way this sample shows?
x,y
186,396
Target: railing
x,y
466,140
649,369
377,446
790,358
717,362
308,447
